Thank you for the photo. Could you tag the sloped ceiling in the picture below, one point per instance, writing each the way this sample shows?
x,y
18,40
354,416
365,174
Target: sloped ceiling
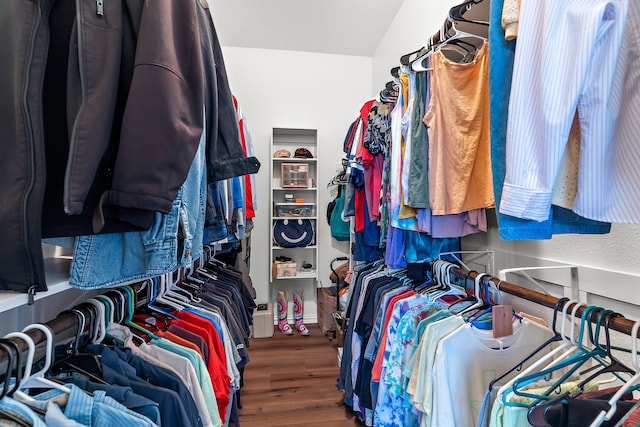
x,y
344,27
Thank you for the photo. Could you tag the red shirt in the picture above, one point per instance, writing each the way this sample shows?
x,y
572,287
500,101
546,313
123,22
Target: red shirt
x,y
248,196
216,366
376,371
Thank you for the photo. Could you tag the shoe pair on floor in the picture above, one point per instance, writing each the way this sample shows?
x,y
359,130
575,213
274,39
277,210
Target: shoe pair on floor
x,y
298,310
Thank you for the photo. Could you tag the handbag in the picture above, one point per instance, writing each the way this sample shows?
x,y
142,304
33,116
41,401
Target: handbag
x,y
293,233
339,228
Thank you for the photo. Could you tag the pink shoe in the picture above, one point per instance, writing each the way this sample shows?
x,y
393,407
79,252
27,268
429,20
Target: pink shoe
x,y
283,323
298,314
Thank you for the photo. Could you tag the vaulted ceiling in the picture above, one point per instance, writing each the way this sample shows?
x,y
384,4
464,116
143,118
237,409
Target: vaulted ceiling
x,y
345,27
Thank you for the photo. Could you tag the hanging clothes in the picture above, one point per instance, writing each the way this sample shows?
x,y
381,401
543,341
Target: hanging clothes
x,y
532,167
458,125
561,221
117,151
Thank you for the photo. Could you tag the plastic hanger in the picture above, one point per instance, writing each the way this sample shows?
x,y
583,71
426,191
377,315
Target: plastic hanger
x,y
536,415
101,326
154,291
11,349
477,290
615,365
31,348
574,345
453,34
455,13
629,385
420,63
407,58
109,309
576,360
128,296
557,336
86,364
506,388
38,380
447,34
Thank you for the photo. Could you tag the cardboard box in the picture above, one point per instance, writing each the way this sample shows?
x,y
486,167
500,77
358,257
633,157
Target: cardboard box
x,y
263,322
283,269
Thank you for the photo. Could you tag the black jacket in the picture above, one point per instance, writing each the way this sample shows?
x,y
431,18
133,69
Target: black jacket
x,y
22,164
105,100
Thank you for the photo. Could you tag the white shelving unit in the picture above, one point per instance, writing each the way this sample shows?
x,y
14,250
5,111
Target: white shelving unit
x,y
290,140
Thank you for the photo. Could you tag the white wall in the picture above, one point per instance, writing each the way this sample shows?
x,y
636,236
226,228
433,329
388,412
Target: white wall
x,y
298,90
609,254
415,22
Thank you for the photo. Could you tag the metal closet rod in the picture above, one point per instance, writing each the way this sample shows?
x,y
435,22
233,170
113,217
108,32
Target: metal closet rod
x,y
65,329
617,323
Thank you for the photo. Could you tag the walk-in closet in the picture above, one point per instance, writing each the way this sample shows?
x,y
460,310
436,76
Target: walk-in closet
x,y
400,213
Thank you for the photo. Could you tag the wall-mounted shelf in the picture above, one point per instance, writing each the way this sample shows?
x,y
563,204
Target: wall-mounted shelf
x,y
301,175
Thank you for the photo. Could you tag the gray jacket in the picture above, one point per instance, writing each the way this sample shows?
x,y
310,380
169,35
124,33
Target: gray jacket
x,y
102,101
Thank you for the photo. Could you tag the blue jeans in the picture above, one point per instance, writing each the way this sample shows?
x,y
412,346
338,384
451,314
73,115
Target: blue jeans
x,y
215,223
112,259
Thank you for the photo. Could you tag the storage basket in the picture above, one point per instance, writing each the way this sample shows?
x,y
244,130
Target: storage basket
x,y
283,269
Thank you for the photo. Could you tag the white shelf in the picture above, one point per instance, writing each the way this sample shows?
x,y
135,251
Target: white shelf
x,y
292,139
296,217
295,188
57,275
279,248
293,160
300,275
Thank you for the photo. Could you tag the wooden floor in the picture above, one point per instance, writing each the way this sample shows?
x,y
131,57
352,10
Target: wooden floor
x,y
291,381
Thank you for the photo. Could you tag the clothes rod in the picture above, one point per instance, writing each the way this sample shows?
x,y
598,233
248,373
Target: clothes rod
x,y
64,328
617,323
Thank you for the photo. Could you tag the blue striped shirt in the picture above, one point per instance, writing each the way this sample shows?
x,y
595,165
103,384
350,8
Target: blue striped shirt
x,y
567,58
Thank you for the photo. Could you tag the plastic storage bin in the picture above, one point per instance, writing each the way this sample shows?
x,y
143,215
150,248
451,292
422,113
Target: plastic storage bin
x,y
295,209
294,175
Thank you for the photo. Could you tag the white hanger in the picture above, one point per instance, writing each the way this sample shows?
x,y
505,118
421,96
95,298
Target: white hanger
x,y
36,380
544,358
101,327
476,289
443,277
107,302
606,415
162,290
445,36
418,64
457,34
39,379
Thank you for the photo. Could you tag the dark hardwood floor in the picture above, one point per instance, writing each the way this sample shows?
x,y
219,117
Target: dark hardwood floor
x,y
291,381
